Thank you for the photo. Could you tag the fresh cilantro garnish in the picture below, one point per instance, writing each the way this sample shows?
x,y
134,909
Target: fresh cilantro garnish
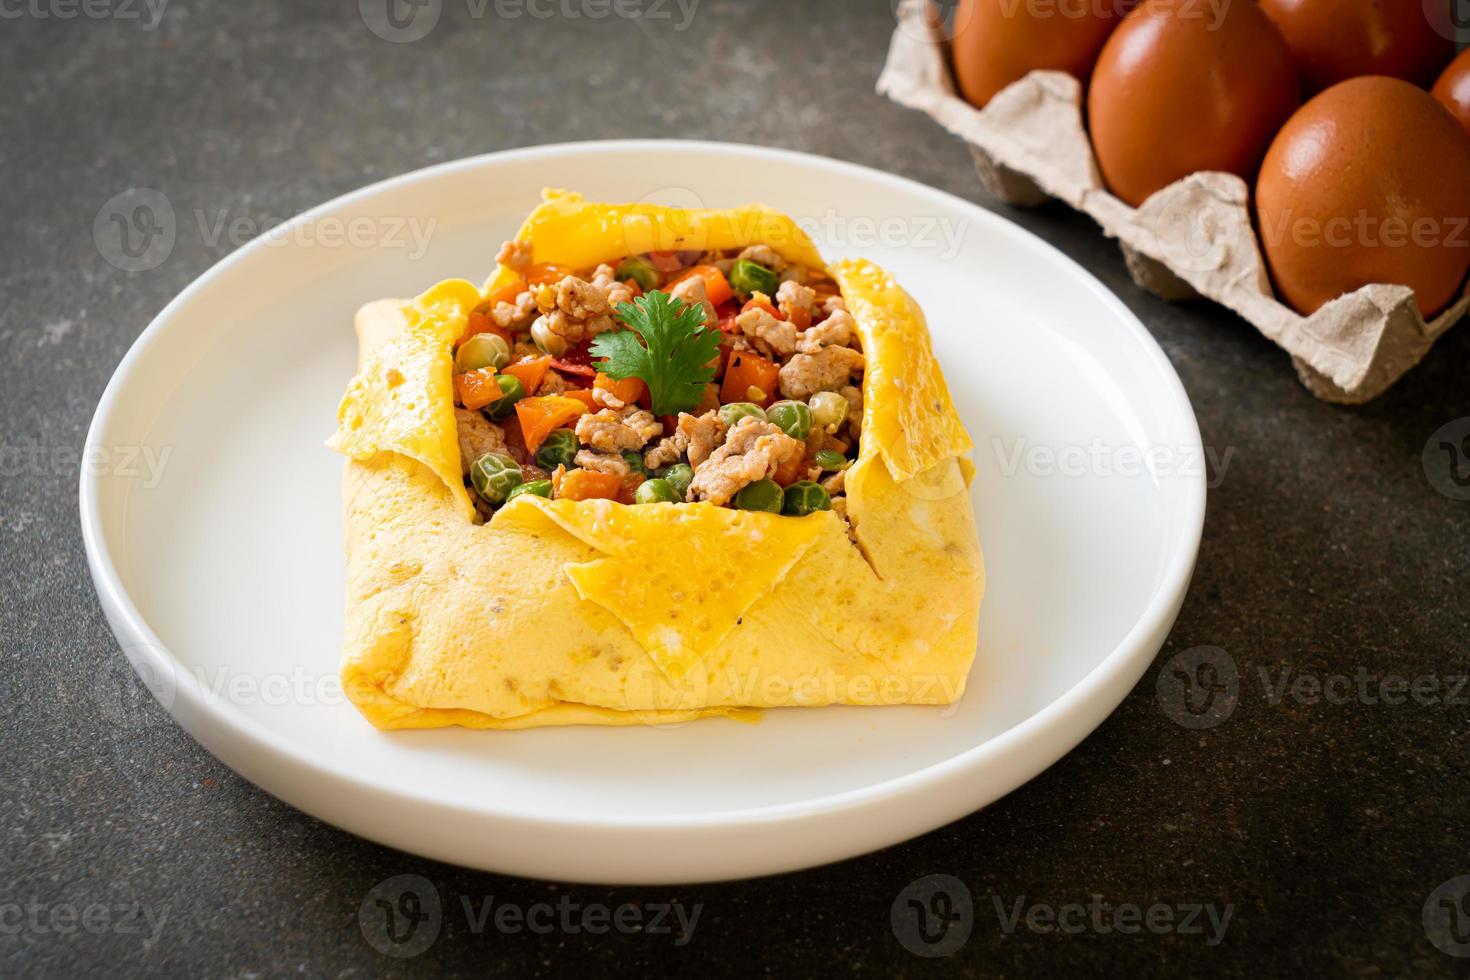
x,y
673,356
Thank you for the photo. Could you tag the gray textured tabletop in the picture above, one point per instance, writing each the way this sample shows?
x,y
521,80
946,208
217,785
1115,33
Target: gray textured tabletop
x,y
1329,829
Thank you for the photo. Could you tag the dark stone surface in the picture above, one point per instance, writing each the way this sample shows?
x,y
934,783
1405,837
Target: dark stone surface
x,y
1324,826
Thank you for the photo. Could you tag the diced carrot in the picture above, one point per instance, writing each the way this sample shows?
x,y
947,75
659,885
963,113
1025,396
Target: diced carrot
x,y
800,317
479,322
762,302
716,286
709,401
583,395
625,390
589,485
750,378
789,471
540,416
505,294
543,273
477,388
529,371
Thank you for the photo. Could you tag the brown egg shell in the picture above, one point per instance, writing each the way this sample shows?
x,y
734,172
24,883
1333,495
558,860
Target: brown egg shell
x,y
1368,183
998,42
1182,87
1334,40
1030,143
1453,89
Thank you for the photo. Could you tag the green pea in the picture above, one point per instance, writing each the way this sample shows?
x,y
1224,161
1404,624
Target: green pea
x,y
640,271
511,391
480,351
830,459
494,476
679,476
656,492
536,488
829,410
635,462
747,278
792,418
761,495
558,449
805,497
735,411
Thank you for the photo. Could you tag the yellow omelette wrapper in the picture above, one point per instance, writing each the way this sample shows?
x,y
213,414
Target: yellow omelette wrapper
x,y
592,612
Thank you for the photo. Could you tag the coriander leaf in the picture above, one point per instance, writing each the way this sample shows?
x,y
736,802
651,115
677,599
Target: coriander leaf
x,y
674,353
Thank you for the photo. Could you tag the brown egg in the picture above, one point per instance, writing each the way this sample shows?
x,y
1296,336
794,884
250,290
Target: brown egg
x,y
1334,40
997,42
1453,88
1184,85
1369,182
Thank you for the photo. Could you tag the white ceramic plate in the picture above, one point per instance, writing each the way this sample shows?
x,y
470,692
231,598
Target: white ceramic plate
x,y
221,571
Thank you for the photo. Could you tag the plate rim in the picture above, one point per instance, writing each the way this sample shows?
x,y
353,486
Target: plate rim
x,y
1118,670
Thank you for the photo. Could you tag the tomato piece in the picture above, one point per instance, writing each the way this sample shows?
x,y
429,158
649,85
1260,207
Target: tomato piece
x,y
571,367
664,261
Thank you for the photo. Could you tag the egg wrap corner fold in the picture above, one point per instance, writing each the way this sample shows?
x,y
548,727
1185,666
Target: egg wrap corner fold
x,y
592,612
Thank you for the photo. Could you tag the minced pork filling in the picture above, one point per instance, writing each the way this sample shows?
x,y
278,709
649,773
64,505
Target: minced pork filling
x,y
729,377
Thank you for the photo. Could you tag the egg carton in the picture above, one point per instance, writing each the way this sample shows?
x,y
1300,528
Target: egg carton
x,y
1193,238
